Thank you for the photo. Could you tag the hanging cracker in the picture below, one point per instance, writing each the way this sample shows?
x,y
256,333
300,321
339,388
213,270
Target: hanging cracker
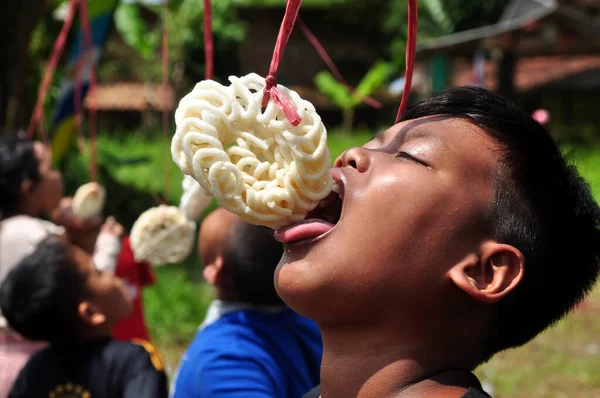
x,y
194,199
254,161
258,147
89,200
162,235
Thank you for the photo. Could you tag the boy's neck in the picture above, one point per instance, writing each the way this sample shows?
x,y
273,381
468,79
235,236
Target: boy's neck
x,y
94,333
369,365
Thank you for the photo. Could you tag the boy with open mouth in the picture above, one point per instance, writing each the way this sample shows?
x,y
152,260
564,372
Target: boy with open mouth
x,y
460,232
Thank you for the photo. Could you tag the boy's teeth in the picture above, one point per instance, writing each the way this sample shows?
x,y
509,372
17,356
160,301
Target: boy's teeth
x,y
337,189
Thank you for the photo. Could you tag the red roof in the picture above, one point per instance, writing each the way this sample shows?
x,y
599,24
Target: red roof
x,y
132,97
530,72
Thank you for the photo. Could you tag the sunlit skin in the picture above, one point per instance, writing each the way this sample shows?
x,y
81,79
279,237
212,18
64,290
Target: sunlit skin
x,y
402,284
215,230
106,300
42,196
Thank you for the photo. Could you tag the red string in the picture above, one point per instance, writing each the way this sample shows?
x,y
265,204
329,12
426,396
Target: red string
x,y
411,49
208,41
165,110
331,65
42,130
87,33
57,51
77,105
271,92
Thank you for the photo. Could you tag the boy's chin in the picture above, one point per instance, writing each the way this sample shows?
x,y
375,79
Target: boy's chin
x,y
300,288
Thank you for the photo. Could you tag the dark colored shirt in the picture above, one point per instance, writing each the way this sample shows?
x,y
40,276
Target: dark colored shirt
x,y
102,368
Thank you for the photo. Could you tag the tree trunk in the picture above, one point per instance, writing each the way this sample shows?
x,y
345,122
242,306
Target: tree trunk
x,y
506,74
347,120
17,19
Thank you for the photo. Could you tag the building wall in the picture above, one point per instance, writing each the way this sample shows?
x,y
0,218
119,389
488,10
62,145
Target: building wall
x,y
346,45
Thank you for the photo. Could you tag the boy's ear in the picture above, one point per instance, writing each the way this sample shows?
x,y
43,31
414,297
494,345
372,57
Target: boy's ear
x,y
490,276
213,272
90,314
26,187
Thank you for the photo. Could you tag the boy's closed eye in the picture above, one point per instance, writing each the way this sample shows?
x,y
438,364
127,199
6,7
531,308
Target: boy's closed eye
x,y
404,155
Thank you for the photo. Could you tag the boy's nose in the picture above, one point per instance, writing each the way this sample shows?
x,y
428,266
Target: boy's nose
x,y
357,158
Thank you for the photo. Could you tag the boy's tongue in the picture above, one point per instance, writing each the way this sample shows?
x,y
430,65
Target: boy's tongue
x,y
303,230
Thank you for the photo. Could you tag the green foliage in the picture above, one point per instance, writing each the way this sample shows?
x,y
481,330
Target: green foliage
x,y
186,39
134,31
373,80
439,16
436,18
175,306
346,100
341,96
281,3
587,160
334,90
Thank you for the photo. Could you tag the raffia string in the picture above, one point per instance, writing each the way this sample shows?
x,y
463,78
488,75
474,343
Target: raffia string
x,y
271,92
77,105
208,42
331,65
411,49
57,50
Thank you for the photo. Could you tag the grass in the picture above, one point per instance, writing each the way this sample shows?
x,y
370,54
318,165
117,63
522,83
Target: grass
x,y
562,362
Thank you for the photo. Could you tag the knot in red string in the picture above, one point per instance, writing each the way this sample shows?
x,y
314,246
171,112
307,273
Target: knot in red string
x,y
270,82
271,92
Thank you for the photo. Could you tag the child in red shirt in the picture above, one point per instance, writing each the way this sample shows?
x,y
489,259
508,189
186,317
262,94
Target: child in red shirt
x,y
136,275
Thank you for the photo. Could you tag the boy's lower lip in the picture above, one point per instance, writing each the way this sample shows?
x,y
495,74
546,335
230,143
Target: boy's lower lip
x,y
303,232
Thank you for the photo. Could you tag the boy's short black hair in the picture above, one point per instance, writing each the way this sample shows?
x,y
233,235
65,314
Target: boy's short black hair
x,y
18,163
251,255
542,206
40,296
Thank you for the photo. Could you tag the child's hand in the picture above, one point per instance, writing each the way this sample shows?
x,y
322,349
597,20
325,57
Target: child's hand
x,y
80,232
63,215
112,227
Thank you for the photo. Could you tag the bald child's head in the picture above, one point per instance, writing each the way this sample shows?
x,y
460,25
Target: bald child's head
x,y
239,259
214,232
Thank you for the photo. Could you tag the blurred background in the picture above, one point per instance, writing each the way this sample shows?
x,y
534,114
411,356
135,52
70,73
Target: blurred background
x,y
543,54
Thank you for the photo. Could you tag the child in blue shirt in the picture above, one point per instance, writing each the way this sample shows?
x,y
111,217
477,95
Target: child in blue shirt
x,y
250,345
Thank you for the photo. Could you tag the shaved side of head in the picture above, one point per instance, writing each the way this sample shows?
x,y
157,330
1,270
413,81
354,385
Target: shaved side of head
x,y
214,232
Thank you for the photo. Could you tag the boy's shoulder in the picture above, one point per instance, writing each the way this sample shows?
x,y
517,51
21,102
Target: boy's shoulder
x,y
137,354
101,367
39,359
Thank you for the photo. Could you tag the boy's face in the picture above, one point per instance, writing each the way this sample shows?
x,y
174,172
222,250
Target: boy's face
x,y
107,293
404,223
49,190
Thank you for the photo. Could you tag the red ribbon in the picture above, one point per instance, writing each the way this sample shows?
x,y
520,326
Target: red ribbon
x,y
57,51
77,104
411,49
331,65
208,41
271,92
